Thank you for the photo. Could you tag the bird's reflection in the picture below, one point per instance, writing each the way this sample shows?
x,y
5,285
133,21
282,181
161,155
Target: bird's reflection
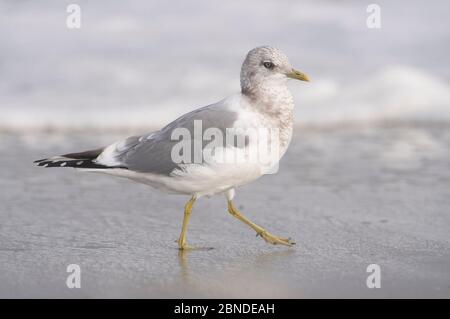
x,y
257,260
184,267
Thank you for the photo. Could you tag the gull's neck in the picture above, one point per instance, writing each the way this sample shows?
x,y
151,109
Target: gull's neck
x,y
270,97
274,101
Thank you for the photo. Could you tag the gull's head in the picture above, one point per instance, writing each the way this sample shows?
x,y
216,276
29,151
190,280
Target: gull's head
x,y
266,65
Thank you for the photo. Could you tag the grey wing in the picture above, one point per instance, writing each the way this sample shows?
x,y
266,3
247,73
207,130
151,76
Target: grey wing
x,y
153,153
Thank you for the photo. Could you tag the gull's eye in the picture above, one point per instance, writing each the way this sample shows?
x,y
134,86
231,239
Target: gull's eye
x,y
268,65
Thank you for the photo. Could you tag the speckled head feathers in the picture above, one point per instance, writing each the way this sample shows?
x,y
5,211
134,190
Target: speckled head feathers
x,y
264,64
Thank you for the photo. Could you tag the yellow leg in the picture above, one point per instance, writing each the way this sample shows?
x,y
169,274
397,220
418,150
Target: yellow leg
x,y
182,244
268,237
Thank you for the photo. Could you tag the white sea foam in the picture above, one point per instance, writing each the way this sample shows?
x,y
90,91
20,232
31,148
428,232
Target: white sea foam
x,y
139,66
395,93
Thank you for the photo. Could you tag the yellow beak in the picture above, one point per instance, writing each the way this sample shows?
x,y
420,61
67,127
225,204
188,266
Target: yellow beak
x,y
294,74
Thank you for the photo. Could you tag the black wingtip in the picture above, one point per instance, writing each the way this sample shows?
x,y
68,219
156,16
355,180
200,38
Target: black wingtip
x,y
42,163
75,163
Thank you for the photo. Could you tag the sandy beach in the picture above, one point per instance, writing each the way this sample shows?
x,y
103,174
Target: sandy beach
x,y
349,197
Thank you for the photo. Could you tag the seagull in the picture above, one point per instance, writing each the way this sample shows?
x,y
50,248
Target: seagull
x,y
171,159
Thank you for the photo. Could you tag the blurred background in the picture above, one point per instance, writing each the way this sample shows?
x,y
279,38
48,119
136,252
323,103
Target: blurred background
x,y
366,179
137,64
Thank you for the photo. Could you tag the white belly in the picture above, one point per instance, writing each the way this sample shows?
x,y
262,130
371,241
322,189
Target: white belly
x,y
228,168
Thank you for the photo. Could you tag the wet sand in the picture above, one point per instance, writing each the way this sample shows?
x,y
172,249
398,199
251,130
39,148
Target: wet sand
x,y
349,197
